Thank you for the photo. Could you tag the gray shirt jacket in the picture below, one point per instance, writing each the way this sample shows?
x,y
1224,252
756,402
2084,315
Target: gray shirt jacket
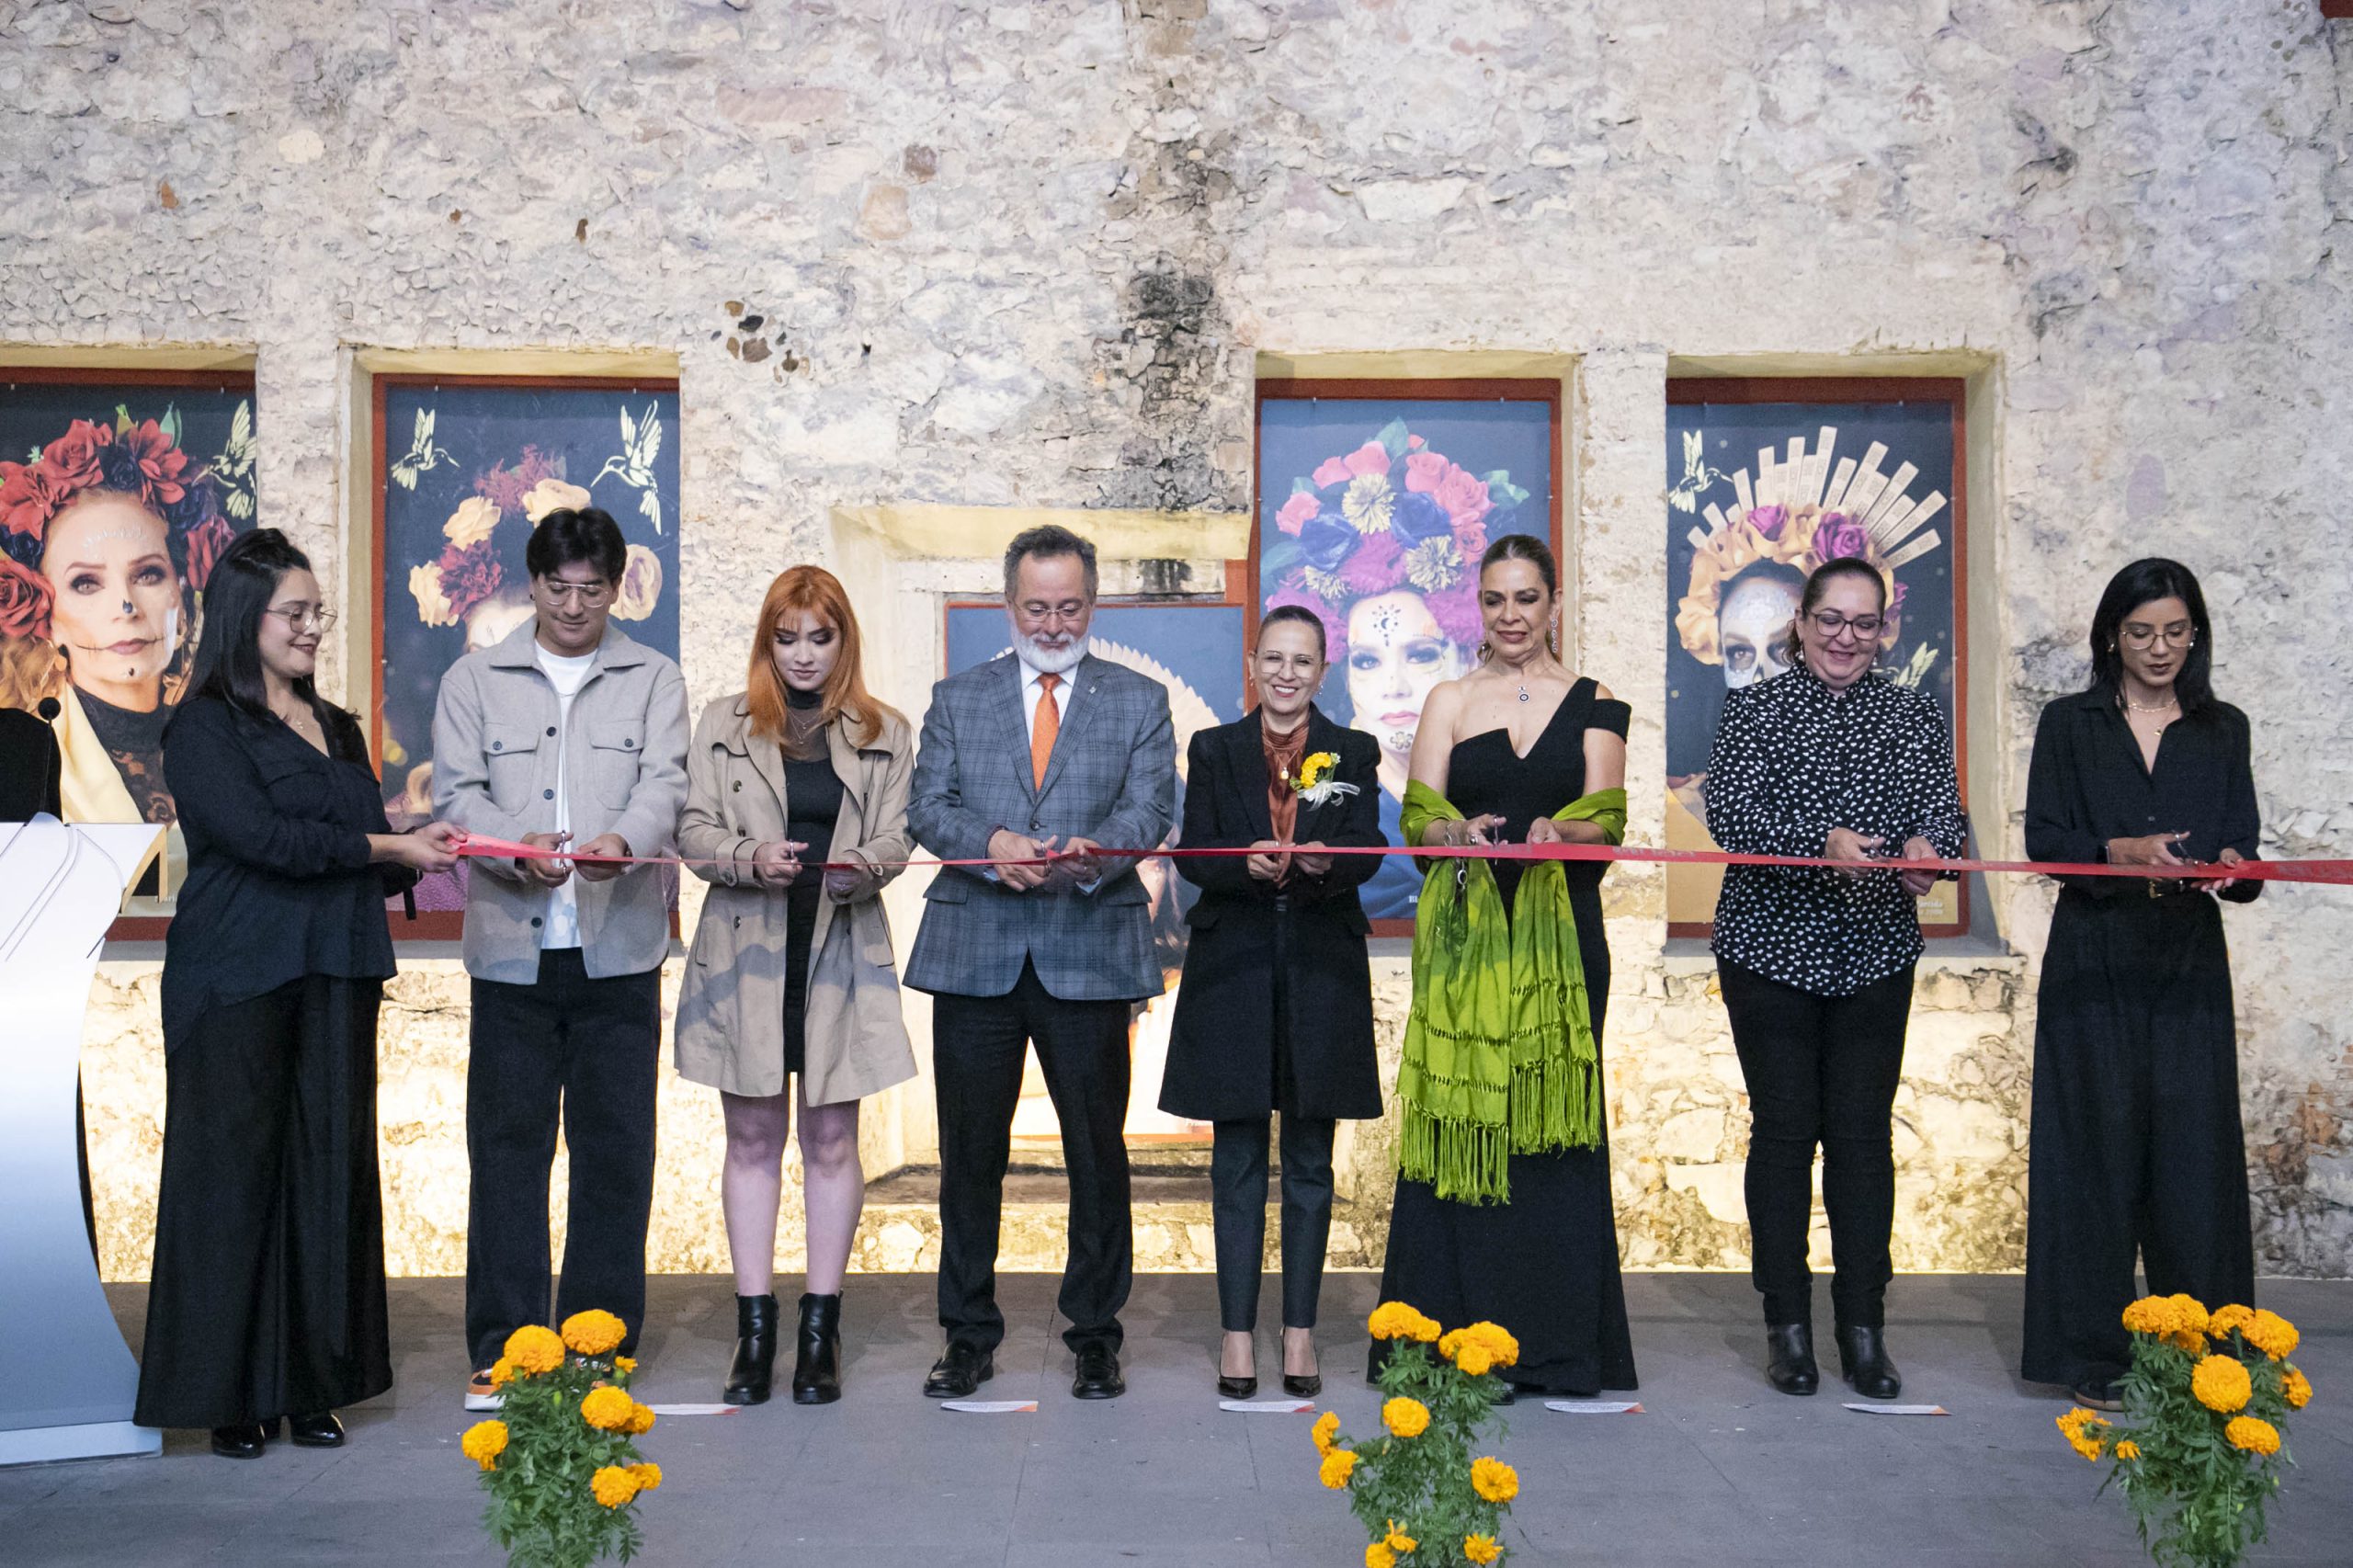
x,y
495,750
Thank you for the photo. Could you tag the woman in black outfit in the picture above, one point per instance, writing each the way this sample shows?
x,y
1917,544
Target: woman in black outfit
x,y
2137,1141
1828,759
267,1293
1274,1013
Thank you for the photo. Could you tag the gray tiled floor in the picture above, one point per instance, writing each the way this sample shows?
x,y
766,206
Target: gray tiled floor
x,y
1719,1473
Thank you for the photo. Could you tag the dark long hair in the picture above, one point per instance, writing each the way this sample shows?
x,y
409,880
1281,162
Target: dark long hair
x,y
1537,553
2152,578
1816,583
228,653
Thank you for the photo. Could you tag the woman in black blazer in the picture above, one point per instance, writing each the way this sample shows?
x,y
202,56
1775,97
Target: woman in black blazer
x,y
1274,1013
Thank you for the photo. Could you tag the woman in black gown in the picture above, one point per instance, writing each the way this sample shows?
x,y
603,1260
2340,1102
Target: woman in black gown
x,y
2137,1142
1545,1264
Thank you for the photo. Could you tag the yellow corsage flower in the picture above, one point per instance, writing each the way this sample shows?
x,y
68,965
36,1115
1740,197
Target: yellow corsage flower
x,y
483,1442
2221,1384
593,1332
1334,1470
2252,1435
1314,782
1493,1480
1405,1417
532,1348
1480,1549
1326,1427
608,1409
613,1485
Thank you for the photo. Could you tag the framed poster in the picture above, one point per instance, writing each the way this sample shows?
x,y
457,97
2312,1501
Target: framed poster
x,y
1375,500
1196,650
1765,480
464,467
119,490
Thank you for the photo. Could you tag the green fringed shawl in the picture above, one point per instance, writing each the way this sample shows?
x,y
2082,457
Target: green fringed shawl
x,y
1500,1057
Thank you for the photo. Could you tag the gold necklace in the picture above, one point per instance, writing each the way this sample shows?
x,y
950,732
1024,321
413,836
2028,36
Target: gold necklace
x,y
2152,706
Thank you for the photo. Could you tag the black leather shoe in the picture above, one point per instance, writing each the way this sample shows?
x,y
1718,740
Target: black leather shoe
x,y
817,1368
245,1442
958,1372
1862,1356
320,1431
1099,1374
1789,1357
750,1374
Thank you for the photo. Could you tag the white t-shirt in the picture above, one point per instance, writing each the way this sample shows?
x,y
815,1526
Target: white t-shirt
x,y
561,926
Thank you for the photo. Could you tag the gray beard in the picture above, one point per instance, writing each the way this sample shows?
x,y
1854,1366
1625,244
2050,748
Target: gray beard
x,y
1051,661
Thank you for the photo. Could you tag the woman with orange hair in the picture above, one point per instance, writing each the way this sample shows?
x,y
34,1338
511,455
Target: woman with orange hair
x,y
791,975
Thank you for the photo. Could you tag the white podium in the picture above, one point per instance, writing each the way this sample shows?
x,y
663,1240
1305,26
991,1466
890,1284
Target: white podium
x,y
71,1381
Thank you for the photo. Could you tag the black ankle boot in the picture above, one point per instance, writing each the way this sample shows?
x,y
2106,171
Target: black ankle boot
x,y
817,1369
1862,1356
749,1374
1789,1364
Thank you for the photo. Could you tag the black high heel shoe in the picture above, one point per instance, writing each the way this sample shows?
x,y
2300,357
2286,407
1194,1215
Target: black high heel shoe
x,y
1863,1357
753,1370
1302,1385
1790,1365
1237,1388
817,1366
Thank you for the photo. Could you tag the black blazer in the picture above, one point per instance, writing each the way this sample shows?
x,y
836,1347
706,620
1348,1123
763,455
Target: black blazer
x,y
1251,939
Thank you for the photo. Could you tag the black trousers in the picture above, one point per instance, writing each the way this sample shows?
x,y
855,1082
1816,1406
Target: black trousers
x,y
1822,1071
977,1047
2137,1145
580,1053
267,1293
1238,1210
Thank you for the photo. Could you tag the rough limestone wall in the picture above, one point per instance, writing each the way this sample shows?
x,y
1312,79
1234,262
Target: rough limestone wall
x,y
1025,253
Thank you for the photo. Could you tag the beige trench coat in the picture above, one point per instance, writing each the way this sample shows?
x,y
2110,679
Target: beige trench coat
x,y
731,1008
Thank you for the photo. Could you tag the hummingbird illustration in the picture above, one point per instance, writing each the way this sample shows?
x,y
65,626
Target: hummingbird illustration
x,y
234,464
422,455
634,466
1698,477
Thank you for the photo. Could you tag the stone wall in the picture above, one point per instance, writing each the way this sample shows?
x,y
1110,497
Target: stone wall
x,y
1031,256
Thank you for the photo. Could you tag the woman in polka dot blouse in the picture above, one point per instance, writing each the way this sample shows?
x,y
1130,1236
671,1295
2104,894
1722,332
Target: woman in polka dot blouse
x,y
1828,759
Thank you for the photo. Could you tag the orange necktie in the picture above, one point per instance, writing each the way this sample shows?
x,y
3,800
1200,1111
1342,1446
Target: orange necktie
x,y
1049,724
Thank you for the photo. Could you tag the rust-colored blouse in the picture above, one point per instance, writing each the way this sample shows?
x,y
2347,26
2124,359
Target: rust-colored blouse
x,y
1283,754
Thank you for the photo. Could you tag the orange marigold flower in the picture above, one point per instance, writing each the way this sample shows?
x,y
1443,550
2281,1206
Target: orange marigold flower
x,y
1398,1540
607,1408
2185,1340
2190,1314
624,1363
1396,1320
1480,1549
2232,1319
648,1474
2252,1435
502,1372
1405,1417
2150,1316
1326,1427
1502,1348
1334,1470
1452,1341
483,1442
1378,1555
532,1348
2128,1450
2295,1387
2221,1384
2272,1335
593,1332
613,1485
641,1420
1474,1360
1493,1480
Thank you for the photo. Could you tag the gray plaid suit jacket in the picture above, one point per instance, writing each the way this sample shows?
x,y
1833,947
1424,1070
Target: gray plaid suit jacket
x,y
1112,779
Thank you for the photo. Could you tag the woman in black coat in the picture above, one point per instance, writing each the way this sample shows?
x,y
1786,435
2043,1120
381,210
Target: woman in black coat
x,y
266,1298
2137,1144
1274,1013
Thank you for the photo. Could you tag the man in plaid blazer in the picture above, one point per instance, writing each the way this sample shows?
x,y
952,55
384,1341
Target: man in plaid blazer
x,y
1050,752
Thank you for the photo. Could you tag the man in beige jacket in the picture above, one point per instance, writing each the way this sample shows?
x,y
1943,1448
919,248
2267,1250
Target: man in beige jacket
x,y
567,734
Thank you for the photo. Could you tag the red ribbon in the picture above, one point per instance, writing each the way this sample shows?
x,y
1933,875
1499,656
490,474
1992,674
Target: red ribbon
x,y
2332,871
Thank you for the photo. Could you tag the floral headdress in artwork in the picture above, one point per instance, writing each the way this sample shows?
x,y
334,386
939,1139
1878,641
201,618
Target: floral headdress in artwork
x,y
1800,513
1391,514
142,461
470,570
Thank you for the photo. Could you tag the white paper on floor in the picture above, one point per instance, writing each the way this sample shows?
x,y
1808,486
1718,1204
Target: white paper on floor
x,y
696,1409
991,1406
1900,1409
1269,1406
1594,1407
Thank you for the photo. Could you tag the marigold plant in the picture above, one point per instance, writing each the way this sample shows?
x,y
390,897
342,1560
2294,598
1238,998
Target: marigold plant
x,y
1424,1503
2200,1446
560,1465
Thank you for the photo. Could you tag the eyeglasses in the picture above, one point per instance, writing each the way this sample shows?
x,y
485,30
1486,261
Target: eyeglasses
x,y
589,594
1830,623
1069,612
304,617
2141,638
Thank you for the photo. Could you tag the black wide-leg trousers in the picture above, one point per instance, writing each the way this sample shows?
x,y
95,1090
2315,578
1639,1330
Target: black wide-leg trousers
x,y
978,1046
578,1053
2137,1148
267,1292
1822,1072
